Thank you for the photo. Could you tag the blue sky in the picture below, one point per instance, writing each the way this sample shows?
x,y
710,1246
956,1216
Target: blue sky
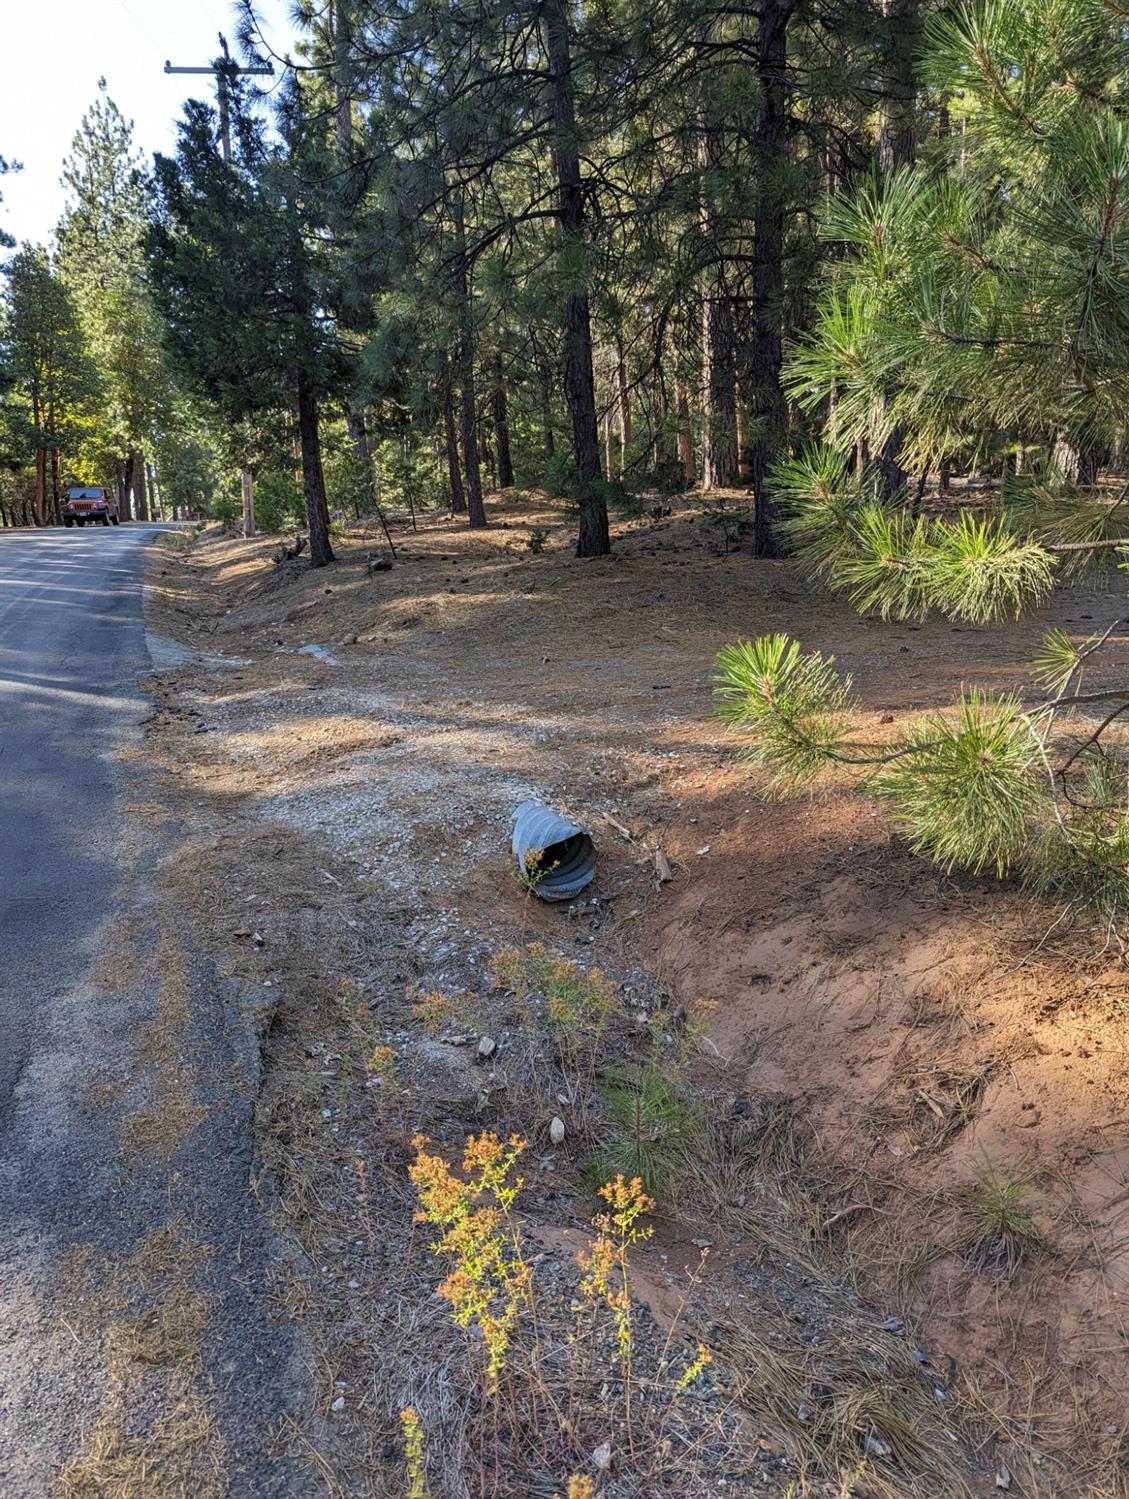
x,y
53,55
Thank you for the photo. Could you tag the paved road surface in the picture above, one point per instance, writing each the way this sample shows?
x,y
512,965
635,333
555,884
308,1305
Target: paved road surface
x,y
72,642
77,876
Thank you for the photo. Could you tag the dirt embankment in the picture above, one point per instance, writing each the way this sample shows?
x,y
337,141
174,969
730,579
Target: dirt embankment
x,y
882,1058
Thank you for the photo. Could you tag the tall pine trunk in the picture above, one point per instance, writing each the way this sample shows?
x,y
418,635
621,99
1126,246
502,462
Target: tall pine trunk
x,y
767,409
501,426
140,494
623,393
476,511
685,430
451,443
593,539
901,41
56,487
313,480
545,373
125,490
897,147
41,486
719,368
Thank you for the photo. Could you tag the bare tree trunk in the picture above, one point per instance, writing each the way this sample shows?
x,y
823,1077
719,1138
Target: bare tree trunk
x,y
476,511
1078,461
901,39
685,430
358,436
141,498
501,426
897,147
767,411
313,480
719,368
486,453
742,430
546,375
40,486
593,539
660,450
125,493
609,441
624,394
56,507
451,442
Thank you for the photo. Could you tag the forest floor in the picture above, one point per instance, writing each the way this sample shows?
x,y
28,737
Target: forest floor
x,y
875,1049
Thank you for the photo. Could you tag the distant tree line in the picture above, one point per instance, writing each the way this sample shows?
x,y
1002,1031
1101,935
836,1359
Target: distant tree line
x,y
603,249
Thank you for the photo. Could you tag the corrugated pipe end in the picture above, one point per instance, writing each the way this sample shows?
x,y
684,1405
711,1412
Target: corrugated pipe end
x,y
556,857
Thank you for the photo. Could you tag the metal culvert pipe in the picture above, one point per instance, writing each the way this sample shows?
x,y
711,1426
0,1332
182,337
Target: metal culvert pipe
x,y
554,855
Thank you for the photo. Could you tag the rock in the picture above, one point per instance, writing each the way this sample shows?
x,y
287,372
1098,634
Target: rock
x,y
487,1046
450,1078
874,1446
602,1456
557,1130
1003,1476
338,1404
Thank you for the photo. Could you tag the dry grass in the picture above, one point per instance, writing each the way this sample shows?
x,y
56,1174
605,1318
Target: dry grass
x,y
159,1129
182,1455
852,1395
1042,1425
156,1435
841,1388
120,969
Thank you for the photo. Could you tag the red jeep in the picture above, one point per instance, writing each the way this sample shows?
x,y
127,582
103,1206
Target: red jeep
x,y
93,503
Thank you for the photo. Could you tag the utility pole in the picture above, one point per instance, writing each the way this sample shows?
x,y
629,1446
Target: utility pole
x,y
248,505
224,68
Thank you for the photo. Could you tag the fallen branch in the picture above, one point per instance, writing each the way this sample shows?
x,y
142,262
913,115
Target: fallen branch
x,y
287,554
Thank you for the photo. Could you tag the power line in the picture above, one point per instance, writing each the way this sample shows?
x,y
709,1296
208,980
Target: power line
x,y
141,26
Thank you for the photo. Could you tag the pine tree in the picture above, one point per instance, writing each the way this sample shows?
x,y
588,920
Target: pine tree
x,y
983,309
241,283
102,263
50,379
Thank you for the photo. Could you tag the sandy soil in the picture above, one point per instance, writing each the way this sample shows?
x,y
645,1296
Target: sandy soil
x,y
907,1027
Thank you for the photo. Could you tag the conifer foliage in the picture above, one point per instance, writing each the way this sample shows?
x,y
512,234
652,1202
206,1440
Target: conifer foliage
x,y
976,312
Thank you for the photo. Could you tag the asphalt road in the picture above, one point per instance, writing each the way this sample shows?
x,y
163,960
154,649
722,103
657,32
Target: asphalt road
x,y
72,642
79,883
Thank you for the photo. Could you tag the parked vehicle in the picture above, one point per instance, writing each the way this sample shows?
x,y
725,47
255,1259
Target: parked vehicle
x,y
92,503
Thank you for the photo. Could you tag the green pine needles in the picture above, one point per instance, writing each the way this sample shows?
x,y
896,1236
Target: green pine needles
x,y
900,565
991,785
794,706
966,789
